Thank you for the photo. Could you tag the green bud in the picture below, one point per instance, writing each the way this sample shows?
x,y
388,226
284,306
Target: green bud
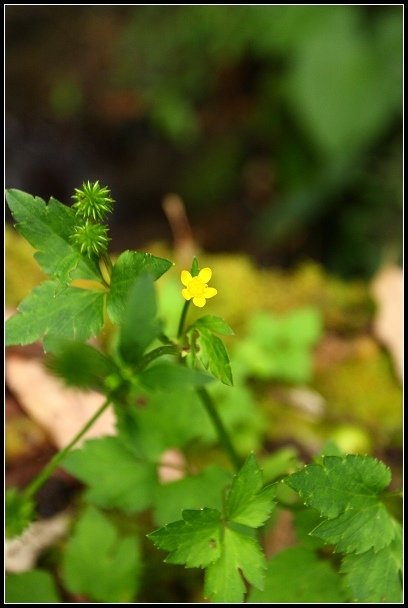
x,y
91,239
92,201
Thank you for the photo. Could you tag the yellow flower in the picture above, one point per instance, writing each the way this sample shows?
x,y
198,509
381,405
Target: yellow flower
x,y
196,287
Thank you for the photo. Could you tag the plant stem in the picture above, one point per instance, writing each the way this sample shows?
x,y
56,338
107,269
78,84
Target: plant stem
x,y
167,349
183,318
47,471
220,428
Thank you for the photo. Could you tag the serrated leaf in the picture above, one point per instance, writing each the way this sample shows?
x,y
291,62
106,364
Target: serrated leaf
x,y
48,229
297,576
194,541
345,490
223,581
341,483
115,477
358,530
214,356
79,364
214,324
193,492
67,312
167,376
139,326
100,564
247,502
375,577
207,539
33,587
128,266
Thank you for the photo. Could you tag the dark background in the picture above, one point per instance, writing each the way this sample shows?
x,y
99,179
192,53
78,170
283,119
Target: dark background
x,y
280,127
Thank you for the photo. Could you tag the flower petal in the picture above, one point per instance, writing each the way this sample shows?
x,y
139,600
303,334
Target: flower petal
x,y
186,277
200,302
186,294
210,292
205,275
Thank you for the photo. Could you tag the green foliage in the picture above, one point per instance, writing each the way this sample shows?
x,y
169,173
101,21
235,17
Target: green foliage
x,y
79,364
97,464
297,575
114,576
347,493
128,266
19,512
139,326
56,308
210,351
52,310
194,492
375,576
280,346
210,518
223,544
48,228
33,587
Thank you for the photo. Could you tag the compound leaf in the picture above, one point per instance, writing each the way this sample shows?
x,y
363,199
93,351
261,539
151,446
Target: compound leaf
x,y
48,229
66,312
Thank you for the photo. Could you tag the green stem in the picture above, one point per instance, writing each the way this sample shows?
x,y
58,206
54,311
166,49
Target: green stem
x,y
168,349
220,428
47,471
183,318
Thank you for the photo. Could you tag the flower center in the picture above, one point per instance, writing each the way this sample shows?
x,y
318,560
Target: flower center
x,y
196,287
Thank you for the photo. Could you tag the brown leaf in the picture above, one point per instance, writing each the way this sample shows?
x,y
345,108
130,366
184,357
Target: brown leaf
x,y
387,290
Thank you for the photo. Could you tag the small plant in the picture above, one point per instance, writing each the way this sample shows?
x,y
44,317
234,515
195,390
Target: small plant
x,y
214,517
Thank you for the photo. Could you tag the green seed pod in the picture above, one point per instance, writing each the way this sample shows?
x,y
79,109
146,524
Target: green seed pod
x,y
91,239
92,202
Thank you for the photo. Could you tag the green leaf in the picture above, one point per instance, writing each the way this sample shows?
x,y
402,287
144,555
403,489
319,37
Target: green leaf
x,y
297,576
345,490
163,420
214,356
20,512
358,529
50,310
116,478
341,483
79,364
33,587
100,564
247,502
375,577
193,492
195,541
195,269
139,326
214,324
48,229
167,376
223,581
128,266
279,346
220,543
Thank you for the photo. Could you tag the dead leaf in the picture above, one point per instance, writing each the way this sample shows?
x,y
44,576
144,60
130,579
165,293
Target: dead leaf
x,y
387,290
61,411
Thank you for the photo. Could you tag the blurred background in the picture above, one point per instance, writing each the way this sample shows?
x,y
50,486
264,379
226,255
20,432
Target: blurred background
x,y
279,126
